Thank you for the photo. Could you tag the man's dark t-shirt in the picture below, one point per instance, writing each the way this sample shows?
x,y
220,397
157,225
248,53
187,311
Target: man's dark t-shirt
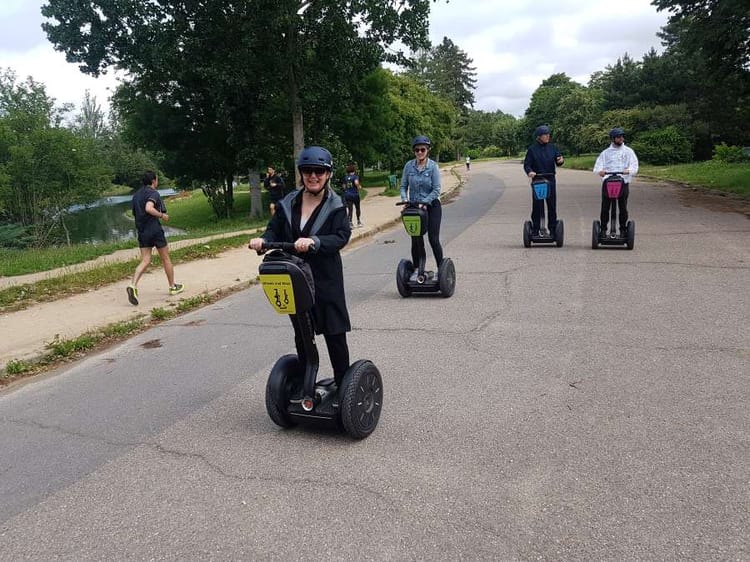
x,y
276,191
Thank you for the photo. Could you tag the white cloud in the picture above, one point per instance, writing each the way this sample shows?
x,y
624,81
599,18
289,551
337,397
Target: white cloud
x,y
514,44
62,80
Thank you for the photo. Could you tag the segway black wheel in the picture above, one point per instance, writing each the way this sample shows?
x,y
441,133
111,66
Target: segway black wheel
x,y
285,375
403,272
596,231
527,234
631,235
447,277
361,398
559,233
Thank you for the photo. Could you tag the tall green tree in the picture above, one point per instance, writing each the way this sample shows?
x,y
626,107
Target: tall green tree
x,y
446,71
233,75
718,30
545,101
44,167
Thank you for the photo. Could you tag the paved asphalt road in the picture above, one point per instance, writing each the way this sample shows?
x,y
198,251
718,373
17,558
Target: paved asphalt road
x,y
564,404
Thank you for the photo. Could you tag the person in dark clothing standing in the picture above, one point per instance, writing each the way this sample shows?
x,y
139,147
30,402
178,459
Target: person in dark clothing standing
x,y
315,220
148,209
274,184
542,158
350,185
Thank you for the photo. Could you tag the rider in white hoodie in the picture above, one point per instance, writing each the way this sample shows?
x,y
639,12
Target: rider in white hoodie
x,y
621,159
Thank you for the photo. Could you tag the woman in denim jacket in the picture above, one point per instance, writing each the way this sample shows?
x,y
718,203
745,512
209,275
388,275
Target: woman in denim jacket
x,y
420,183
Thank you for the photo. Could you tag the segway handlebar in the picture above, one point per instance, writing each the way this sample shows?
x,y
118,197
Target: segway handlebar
x,y
284,246
410,203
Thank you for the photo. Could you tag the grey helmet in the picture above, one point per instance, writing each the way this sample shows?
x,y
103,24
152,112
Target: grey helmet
x,y
541,130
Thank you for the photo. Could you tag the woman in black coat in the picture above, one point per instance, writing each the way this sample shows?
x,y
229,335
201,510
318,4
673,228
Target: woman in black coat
x,y
315,219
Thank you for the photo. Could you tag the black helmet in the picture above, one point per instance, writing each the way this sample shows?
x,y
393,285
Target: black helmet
x,y
421,139
616,132
315,156
541,130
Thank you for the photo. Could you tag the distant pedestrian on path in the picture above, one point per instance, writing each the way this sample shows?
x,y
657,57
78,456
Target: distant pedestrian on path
x,y
148,209
468,163
275,186
351,194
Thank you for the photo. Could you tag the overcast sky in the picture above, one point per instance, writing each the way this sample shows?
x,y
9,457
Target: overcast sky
x,y
514,44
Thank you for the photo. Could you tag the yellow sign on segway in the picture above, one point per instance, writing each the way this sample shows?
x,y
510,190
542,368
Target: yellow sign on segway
x,y
412,224
278,289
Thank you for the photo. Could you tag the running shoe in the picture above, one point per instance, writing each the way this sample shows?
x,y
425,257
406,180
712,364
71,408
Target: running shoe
x,y
176,289
132,295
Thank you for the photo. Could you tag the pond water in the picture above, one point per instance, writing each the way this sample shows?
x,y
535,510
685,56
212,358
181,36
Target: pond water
x,y
106,220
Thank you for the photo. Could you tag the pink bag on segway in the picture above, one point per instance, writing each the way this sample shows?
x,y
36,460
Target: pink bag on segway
x,y
613,185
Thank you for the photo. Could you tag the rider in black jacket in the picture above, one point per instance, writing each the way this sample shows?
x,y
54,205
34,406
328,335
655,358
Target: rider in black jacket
x,y
542,158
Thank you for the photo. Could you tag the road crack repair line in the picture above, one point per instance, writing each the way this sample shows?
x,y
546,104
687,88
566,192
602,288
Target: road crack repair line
x,y
201,458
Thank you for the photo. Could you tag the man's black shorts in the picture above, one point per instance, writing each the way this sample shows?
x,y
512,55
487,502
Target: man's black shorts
x,y
152,238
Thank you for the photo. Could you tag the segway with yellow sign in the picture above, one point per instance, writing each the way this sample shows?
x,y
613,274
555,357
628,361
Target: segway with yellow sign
x,y
412,278
294,395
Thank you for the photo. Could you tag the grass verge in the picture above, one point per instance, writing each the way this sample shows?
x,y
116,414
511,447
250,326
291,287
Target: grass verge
x,y
19,297
721,176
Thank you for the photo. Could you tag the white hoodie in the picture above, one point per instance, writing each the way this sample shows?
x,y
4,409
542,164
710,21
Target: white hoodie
x,y
617,159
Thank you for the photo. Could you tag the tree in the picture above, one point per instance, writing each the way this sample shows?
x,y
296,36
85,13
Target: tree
x,y
225,74
446,71
543,107
44,168
716,29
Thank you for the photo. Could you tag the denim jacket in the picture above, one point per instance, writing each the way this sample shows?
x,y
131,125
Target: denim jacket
x,y
423,186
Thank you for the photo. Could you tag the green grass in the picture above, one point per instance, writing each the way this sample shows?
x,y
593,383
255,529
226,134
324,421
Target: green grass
x,y
730,178
191,213
19,297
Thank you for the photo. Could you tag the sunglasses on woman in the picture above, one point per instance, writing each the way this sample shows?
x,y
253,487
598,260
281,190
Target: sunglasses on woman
x,y
420,149
317,170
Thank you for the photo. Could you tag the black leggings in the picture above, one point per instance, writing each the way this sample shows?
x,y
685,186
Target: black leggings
x,y
434,217
621,202
338,350
353,203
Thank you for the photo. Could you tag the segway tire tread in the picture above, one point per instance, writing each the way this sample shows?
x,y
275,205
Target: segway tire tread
x,y
361,399
403,273
447,278
631,235
278,388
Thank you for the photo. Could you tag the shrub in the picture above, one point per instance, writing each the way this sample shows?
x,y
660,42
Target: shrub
x,y
491,152
663,146
730,154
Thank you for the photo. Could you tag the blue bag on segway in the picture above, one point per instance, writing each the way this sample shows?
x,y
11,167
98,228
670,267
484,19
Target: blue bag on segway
x,y
540,187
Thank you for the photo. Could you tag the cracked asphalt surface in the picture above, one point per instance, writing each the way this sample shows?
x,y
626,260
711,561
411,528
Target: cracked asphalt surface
x,y
564,404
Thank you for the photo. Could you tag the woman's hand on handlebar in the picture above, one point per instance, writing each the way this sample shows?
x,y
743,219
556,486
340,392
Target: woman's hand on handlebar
x,y
256,244
304,244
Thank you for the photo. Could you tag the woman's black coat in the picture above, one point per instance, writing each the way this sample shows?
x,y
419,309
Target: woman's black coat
x,y
331,232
